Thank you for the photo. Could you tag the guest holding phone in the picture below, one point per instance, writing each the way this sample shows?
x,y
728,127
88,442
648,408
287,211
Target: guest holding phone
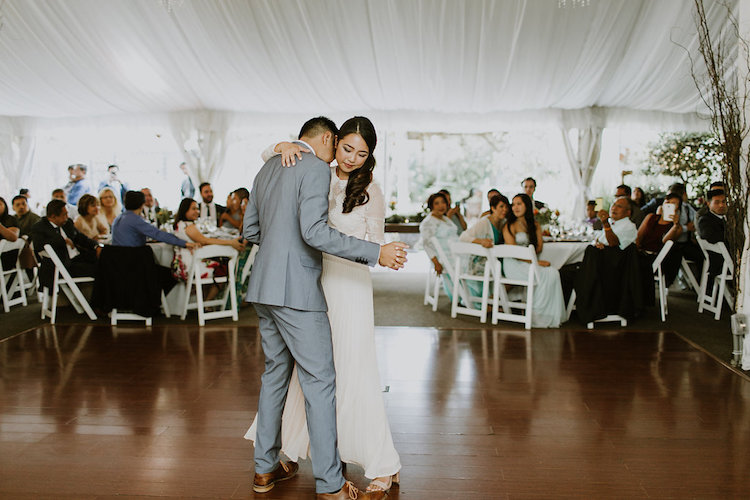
x,y
659,228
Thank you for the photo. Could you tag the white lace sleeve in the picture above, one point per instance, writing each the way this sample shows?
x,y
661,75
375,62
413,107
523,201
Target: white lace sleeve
x,y
428,229
375,214
269,152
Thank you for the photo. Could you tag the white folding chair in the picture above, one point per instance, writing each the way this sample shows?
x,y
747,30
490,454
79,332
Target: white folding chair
x,y
463,253
62,280
687,273
448,272
500,299
12,280
719,290
195,280
432,288
661,283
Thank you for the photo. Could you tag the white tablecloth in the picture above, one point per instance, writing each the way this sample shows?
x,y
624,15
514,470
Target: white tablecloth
x,y
560,253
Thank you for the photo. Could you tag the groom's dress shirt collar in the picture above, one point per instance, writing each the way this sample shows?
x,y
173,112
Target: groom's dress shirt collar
x,y
306,145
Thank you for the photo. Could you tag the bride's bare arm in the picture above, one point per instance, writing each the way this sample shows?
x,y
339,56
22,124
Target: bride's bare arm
x,y
289,152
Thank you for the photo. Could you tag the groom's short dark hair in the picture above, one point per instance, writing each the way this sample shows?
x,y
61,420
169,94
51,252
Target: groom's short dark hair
x,y
316,126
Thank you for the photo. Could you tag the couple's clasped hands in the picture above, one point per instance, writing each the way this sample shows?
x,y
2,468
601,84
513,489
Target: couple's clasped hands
x,y
393,255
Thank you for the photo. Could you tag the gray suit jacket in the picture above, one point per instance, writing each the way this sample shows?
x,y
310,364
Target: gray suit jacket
x,y
287,216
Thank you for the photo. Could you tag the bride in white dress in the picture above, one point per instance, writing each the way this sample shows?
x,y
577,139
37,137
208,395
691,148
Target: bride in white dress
x,y
355,207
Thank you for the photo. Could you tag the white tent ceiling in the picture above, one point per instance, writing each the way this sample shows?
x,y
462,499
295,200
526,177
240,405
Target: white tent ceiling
x,y
418,60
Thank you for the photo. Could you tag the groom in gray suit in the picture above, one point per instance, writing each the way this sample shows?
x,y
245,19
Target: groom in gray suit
x,y
287,217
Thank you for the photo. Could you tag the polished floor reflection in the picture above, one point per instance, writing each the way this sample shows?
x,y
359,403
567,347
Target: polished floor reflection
x,y
97,412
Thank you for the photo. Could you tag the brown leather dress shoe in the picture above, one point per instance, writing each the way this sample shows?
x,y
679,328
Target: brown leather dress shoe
x,y
265,482
350,492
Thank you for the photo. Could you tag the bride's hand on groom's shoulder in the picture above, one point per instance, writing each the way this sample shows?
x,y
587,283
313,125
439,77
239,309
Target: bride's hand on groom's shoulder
x,y
393,255
290,152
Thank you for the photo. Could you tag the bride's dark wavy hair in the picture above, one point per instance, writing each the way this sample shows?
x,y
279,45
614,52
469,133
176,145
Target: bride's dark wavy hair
x,y
528,217
356,187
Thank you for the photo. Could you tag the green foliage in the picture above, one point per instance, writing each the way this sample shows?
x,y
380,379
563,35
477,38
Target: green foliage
x,y
696,159
467,163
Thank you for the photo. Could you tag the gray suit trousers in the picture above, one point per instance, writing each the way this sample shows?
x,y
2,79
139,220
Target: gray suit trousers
x,y
289,336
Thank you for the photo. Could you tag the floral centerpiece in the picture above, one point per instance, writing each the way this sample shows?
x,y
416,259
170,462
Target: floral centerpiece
x,y
547,218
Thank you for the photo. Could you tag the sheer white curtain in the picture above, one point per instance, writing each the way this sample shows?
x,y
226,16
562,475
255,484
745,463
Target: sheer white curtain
x,y
203,137
583,155
17,143
61,58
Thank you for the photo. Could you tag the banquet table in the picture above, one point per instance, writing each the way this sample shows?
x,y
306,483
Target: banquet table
x,y
164,254
561,253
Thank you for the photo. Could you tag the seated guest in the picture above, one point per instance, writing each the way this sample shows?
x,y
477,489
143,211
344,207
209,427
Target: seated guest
x,y
185,228
522,229
438,226
685,244
610,278
529,187
88,221
8,231
59,194
591,217
151,208
638,197
130,230
110,206
77,252
488,232
712,227
208,210
232,217
24,216
492,192
618,229
244,196
656,230
635,211
454,212
703,210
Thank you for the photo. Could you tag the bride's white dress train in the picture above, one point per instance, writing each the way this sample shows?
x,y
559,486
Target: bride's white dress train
x,y
363,430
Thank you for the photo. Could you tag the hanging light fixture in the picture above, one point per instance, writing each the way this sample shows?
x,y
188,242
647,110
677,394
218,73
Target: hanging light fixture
x,y
564,4
170,5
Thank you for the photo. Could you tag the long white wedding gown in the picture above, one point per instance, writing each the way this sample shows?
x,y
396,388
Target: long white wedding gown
x,y
363,431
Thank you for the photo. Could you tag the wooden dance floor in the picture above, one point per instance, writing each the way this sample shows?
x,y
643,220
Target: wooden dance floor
x,y
95,412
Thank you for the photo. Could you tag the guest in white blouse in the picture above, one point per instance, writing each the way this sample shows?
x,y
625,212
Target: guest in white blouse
x,y
185,228
87,221
445,233
110,206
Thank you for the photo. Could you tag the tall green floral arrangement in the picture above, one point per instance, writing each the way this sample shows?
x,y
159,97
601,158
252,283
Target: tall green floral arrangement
x,y
694,158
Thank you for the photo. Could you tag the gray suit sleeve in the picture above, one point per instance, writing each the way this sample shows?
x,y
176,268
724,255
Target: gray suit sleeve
x,y
313,219
250,222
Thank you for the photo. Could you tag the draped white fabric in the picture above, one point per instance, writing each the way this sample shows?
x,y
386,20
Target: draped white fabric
x,y
583,158
202,136
446,63
17,141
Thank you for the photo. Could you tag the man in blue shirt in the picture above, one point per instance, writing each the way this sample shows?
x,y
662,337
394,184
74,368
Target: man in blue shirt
x,y
78,185
130,230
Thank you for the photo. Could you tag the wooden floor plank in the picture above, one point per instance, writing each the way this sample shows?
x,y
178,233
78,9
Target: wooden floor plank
x,y
95,412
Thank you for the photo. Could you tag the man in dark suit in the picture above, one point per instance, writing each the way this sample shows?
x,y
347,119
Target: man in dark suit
x,y
529,187
208,209
712,227
77,252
